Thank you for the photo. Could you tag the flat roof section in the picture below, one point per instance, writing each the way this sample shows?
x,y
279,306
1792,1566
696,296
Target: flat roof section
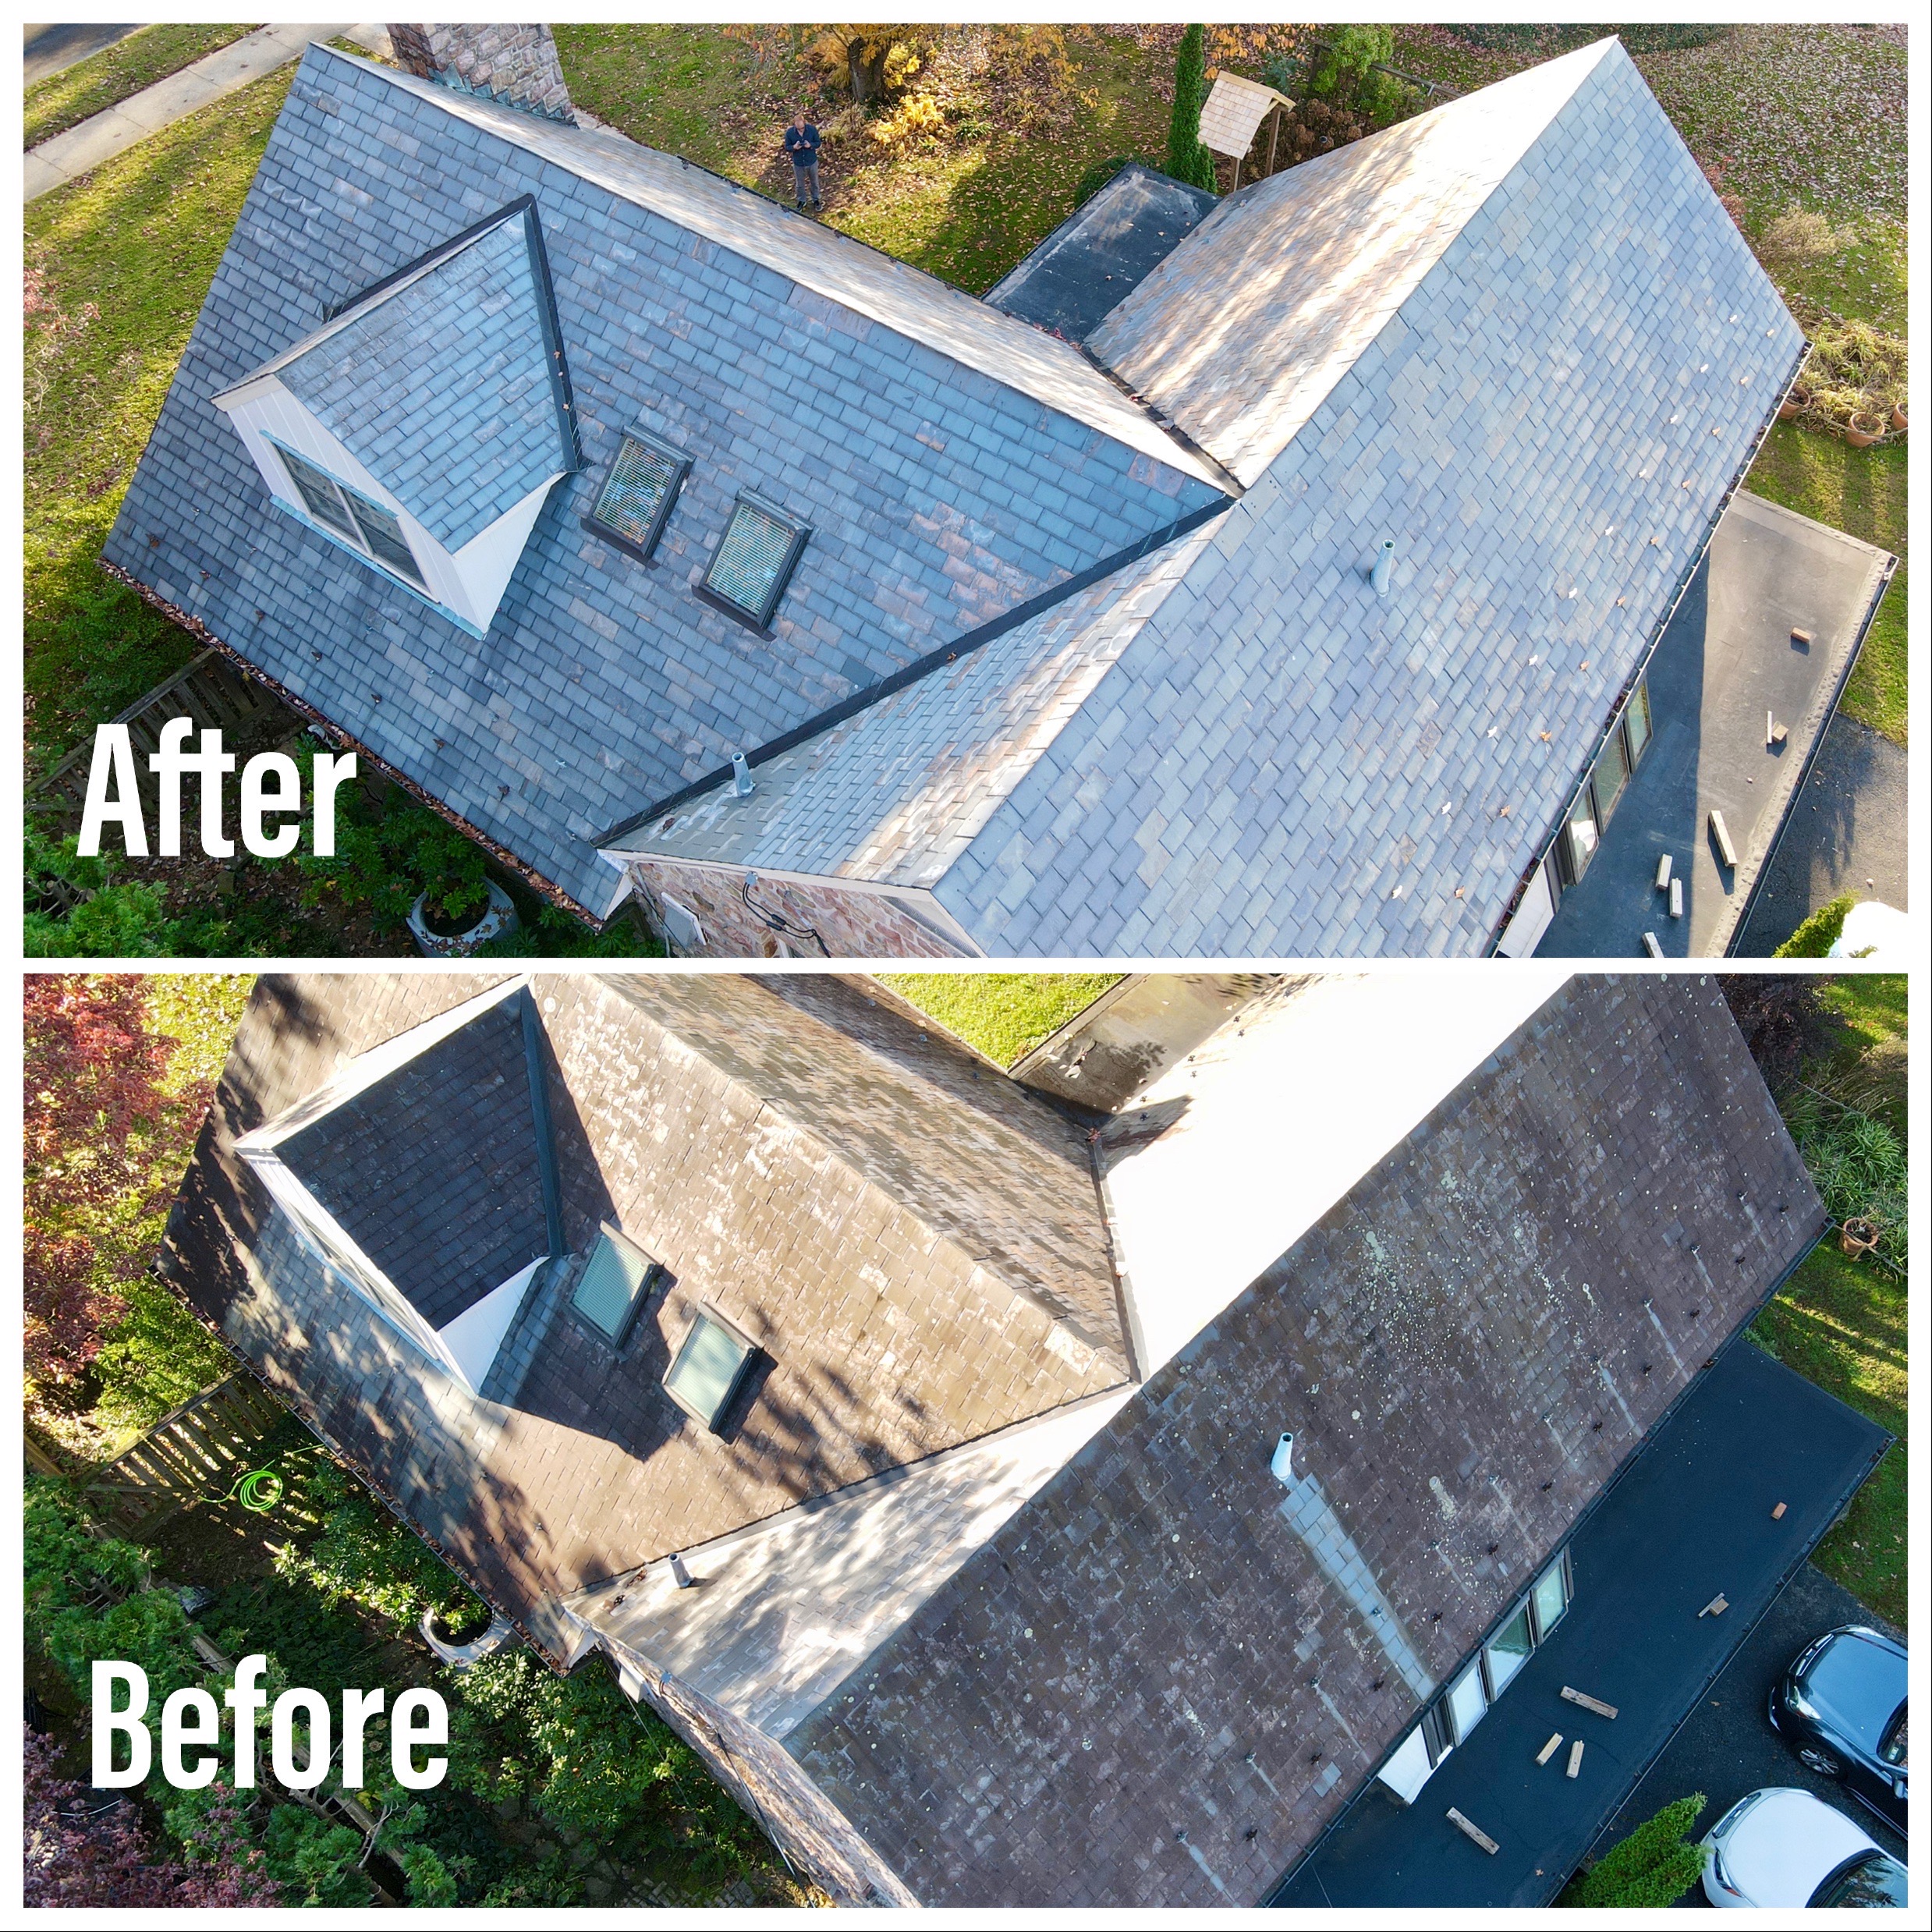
x,y
1733,652
1101,252
1689,1519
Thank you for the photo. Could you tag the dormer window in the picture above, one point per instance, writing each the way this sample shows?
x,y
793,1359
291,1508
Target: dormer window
x,y
351,514
708,1368
422,425
634,502
614,1286
754,560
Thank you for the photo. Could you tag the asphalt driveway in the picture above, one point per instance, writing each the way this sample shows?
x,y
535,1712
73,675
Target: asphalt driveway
x,y
1727,1747
1846,834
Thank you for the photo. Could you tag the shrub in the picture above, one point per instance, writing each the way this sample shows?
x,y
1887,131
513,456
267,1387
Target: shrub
x,y
1818,935
1784,1022
1653,1867
1800,236
79,1851
1343,69
1858,1165
918,117
577,1749
86,1598
365,1555
1187,159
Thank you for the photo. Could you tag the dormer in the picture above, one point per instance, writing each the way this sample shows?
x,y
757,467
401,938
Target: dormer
x,y
422,427
422,1176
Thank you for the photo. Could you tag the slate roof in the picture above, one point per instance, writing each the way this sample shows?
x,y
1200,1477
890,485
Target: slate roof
x,y
899,792
444,385
953,462
1244,326
1102,251
434,1171
914,1244
1155,1684
1553,356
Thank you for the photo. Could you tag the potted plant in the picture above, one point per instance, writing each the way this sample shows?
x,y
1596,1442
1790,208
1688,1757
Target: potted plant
x,y
459,908
1864,429
1858,1236
463,1633
1795,403
1898,417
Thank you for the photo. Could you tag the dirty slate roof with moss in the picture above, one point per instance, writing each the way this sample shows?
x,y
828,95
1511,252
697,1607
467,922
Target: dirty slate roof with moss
x,y
913,1243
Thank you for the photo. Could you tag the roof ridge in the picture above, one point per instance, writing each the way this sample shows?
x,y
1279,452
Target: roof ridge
x,y
554,141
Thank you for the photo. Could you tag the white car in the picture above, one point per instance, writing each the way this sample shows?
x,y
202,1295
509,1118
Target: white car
x,y
1779,1847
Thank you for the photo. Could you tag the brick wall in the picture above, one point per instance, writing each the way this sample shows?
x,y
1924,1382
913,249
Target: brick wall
x,y
514,64
852,924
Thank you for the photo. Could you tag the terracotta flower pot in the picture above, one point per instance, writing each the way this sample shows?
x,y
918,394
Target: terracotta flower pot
x,y
1795,404
1863,430
1898,417
1858,1235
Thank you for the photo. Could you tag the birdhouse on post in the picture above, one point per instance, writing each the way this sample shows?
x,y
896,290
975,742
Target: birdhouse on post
x,y
1234,111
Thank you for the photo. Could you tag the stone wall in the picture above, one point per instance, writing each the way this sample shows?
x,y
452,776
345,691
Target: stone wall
x,y
516,64
784,918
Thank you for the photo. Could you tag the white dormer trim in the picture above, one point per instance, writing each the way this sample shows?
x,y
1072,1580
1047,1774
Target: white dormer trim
x,y
463,1347
466,585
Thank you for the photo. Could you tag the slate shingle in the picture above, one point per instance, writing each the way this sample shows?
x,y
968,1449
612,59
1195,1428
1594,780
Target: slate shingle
x,y
442,388
953,462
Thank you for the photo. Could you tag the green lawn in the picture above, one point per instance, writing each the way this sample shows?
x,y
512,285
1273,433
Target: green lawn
x,y
1841,1322
1863,493
148,54
1842,1325
124,259
1004,1015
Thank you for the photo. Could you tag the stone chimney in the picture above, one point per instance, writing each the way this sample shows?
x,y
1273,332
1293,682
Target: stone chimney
x,y
517,65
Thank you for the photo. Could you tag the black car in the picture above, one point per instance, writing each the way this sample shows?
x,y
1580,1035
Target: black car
x,y
1842,1707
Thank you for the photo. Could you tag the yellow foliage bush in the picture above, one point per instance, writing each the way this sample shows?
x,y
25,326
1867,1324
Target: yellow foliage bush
x,y
916,118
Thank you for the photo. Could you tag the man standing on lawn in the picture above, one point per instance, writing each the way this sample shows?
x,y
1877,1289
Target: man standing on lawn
x,y
801,143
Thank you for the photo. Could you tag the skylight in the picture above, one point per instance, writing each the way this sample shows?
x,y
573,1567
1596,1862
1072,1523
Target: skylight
x,y
611,1289
366,524
633,503
708,1369
755,558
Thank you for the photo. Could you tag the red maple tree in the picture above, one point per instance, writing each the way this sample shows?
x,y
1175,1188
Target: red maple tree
x,y
93,1108
84,1847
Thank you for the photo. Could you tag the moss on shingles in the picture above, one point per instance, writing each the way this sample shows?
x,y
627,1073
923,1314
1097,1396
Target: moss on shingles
x,y
1004,1015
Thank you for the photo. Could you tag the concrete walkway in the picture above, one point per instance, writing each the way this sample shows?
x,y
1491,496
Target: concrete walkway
x,y
82,149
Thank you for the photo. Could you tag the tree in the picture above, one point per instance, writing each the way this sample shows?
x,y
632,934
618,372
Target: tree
x,y
1782,1019
1187,159
80,1851
93,1104
1653,1867
867,50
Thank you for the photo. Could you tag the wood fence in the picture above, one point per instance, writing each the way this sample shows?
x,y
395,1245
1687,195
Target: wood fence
x,y
210,688
203,1448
